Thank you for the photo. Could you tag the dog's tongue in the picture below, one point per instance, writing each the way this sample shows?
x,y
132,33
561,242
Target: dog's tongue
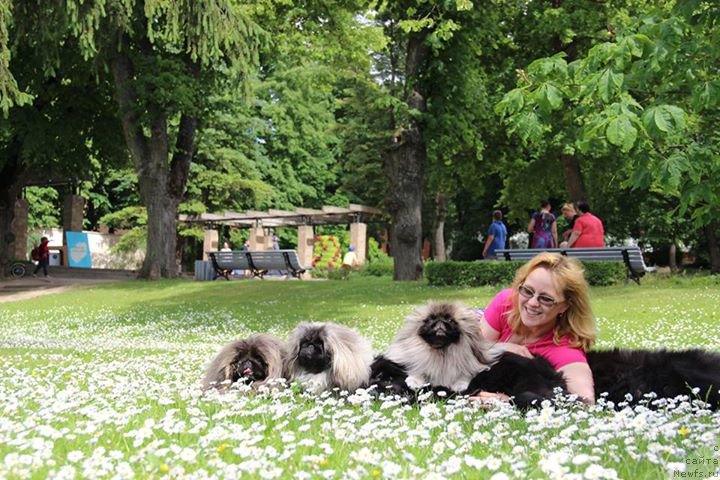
x,y
247,372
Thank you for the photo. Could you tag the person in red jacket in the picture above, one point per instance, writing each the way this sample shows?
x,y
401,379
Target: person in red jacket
x,y
588,230
43,257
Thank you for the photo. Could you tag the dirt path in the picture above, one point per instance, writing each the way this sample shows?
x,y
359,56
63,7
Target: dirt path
x,y
29,287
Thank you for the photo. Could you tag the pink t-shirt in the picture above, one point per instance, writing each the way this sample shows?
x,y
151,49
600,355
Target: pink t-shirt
x,y
592,232
558,355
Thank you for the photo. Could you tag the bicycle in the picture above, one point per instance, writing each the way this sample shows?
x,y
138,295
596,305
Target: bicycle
x,y
19,269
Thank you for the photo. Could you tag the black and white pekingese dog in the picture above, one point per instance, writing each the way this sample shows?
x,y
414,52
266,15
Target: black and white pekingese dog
x,y
440,345
255,359
327,355
665,373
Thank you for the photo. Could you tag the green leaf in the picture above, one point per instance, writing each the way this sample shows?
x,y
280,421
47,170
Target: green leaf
x,y
661,121
529,126
553,95
677,115
512,102
608,83
464,5
548,97
620,132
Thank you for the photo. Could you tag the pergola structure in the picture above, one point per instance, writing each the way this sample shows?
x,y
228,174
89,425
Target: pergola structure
x,y
262,223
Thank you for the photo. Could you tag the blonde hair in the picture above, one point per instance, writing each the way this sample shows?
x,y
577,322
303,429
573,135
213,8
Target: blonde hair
x,y
569,277
569,207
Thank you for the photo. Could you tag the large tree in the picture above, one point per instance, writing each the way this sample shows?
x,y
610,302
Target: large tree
x,y
162,56
56,115
418,32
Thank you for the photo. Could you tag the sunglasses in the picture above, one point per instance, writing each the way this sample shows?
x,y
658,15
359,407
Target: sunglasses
x,y
545,300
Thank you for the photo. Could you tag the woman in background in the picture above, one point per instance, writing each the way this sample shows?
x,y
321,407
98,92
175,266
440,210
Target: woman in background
x,y
543,227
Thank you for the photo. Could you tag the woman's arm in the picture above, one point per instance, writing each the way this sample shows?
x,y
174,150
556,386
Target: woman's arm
x,y
531,225
579,381
573,238
489,333
553,229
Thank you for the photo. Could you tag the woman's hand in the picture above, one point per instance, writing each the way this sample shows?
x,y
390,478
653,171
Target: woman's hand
x,y
488,399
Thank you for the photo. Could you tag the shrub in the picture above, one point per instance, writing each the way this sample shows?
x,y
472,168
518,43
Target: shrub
x,y
474,274
605,273
470,274
381,266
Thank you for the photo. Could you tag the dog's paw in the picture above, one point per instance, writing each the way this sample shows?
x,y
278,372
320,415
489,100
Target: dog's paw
x,y
414,382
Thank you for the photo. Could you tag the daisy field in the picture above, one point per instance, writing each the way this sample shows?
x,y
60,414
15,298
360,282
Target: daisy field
x,y
104,382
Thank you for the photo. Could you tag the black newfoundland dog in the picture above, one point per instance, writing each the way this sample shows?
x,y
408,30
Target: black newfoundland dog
x,y
665,373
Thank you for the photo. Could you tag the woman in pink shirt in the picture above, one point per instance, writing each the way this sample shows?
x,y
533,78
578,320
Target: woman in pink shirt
x,y
546,312
588,230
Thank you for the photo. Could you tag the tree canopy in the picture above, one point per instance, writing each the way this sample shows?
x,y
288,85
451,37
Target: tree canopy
x,y
440,112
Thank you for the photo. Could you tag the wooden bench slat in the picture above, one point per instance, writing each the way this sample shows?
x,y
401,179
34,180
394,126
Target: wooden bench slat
x,y
631,256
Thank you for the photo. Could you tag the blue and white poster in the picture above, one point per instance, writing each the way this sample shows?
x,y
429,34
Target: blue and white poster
x,y
78,250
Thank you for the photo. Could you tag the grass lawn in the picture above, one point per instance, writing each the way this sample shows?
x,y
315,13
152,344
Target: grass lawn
x,y
104,383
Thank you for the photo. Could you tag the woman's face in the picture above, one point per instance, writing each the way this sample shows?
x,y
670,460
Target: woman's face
x,y
540,301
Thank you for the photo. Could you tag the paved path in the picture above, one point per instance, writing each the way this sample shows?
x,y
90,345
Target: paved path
x,y
12,290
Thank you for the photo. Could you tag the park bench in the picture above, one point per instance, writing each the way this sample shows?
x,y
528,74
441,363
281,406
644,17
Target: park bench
x,y
258,262
631,256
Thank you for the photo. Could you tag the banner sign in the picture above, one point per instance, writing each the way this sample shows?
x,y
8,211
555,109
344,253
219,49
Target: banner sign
x,y
78,250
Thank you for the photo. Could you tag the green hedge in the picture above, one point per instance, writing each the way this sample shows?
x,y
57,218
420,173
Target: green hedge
x,y
605,273
475,274
381,266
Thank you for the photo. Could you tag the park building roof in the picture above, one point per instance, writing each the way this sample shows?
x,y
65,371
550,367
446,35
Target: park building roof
x,y
353,213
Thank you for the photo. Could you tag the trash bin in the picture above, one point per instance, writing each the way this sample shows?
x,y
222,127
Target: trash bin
x,y
204,270
54,259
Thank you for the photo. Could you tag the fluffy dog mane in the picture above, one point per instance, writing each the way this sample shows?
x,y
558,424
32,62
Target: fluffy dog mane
x,y
451,366
267,347
351,356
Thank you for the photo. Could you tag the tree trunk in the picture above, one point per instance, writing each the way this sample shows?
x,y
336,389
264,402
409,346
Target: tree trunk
x,y
439,252
162,182
12,180
573,178
713,246
672,257
404,167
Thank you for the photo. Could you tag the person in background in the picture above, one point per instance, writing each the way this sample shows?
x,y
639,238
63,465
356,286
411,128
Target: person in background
x,y
226,247
275,242
349,263
350,260
497,233
570,214
43,257
546,311
245,249
588,230
543,227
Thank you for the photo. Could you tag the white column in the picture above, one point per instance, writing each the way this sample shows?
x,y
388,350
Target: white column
x,y
358,239
257,238
306,243
210,242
